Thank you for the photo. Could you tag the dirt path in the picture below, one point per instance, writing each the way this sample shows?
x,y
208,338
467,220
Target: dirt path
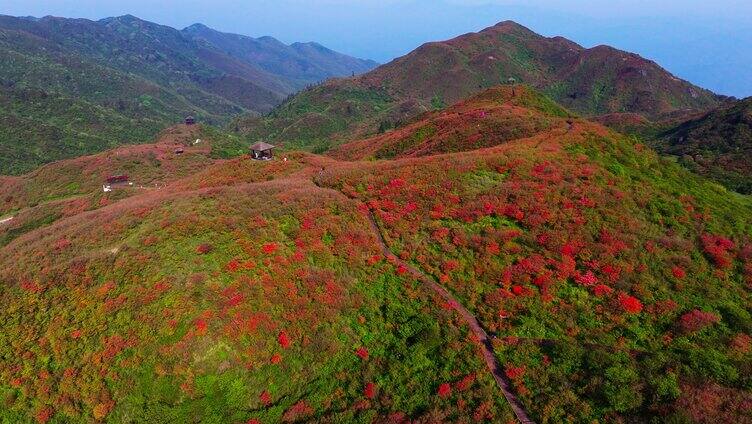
x,y
493,364
4,220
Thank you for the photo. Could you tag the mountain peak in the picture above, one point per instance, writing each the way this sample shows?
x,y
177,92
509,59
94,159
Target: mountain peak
x,y
511,26
197,27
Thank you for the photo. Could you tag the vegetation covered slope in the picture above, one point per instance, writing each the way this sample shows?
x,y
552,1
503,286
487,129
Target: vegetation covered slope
x,y
618,284
717,145
261,302
497,115
589,81
72,86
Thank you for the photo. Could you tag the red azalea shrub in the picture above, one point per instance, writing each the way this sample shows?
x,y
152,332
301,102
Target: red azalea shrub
x,y
445,390
201,326
265,398
44,414
233,265
678,272
362,353
588,279
630,304
297,412
696,320
602,290
466,382
514,373
718,249
369,391
269,248
276,359
283,339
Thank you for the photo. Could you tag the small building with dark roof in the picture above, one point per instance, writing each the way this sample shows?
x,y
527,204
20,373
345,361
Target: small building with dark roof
x,y
262,151
189,120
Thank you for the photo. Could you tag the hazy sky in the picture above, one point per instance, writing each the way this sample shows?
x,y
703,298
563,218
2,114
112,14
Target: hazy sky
x,y
706,42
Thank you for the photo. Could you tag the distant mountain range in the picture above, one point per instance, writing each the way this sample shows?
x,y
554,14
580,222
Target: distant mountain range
x,y
592,82
74,86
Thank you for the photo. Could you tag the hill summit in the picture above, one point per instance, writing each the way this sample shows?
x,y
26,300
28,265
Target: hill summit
x,y
591,82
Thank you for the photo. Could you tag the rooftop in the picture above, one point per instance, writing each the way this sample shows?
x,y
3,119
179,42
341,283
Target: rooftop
x,y
261,146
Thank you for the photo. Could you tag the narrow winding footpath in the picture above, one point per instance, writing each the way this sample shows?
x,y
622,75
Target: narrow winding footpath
x,y
493,364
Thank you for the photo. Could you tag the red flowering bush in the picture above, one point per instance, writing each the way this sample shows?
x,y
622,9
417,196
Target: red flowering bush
x,y
629,304
696,320
514,373
588,279
283,339
269,248
362,353
369,391
445,390
265,398
718,248
602,290
678,272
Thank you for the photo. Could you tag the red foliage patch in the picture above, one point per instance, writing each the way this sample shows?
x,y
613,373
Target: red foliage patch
x,y
31,286
362,353
269,248
466,382
283,339
201,326
741,343
44,414
233,265
265,398
514,373
297,412
718,249
588,279
678,272
369,391
445,390
630,304
696,320
602,290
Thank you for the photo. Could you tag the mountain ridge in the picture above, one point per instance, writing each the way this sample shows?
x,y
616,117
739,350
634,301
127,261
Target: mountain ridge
x,y
591,81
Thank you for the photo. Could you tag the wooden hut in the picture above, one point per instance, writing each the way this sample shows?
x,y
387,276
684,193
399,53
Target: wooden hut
x,y
262,151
